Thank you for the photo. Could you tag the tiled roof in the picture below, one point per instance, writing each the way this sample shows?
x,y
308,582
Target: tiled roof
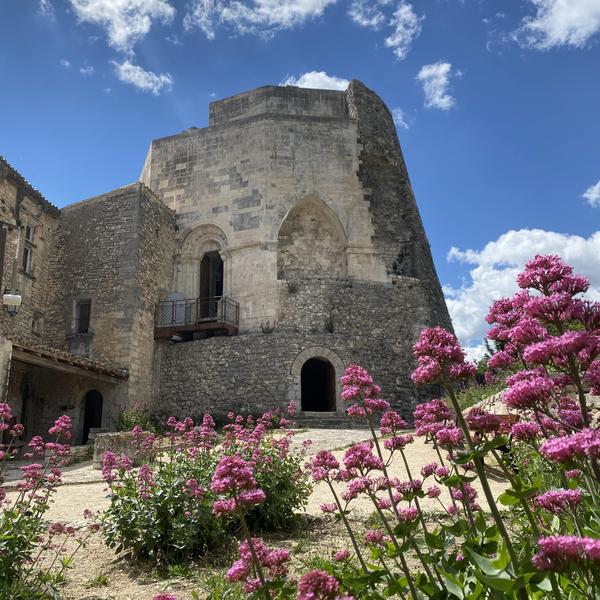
x,y
33,192
32,346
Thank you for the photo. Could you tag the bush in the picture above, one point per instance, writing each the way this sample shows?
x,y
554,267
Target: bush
x,y
129,419
32,557
163,510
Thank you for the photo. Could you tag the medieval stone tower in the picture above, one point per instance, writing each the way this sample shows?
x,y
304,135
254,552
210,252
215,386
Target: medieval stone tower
x,y
298,249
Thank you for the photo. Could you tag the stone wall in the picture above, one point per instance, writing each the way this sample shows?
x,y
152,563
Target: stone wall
x,y
363,323
116,250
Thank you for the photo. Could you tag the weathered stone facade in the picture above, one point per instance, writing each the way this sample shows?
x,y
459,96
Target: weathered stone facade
x,y
294,203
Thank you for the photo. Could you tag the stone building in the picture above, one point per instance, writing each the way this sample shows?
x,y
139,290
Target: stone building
x,y
255,259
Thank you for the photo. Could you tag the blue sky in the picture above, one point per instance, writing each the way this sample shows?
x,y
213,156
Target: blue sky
x,y
497,106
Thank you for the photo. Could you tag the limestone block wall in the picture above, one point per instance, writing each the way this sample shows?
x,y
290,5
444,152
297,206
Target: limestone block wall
x,y
23,211
116,250
263,153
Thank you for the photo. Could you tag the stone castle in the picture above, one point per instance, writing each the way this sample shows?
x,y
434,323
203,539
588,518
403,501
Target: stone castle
x,y
254,259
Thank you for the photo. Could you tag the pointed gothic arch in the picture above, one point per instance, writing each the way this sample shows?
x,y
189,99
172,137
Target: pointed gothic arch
x,y
311,242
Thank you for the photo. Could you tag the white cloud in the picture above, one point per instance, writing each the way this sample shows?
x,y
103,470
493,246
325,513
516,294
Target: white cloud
x,y
407,26
46,8
399,117
592,195
492,273
87,71
317,80
146,81
366,13
435,79
173,39
125,21
252,16
65,63
559,23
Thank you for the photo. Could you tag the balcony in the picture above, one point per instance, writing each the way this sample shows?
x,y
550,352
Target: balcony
x,y
184,320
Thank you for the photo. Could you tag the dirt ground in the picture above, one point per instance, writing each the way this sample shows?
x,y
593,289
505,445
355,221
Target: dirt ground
x,y
125,580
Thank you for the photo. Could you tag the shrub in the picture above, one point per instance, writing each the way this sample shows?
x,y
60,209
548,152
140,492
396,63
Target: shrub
x,y
32,552
163,511
129,419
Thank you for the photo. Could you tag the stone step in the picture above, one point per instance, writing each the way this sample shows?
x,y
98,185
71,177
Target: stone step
x,y
327,420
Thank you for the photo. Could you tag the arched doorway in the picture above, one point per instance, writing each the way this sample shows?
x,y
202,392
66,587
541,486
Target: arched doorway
x,y
317,381
211,283
92,413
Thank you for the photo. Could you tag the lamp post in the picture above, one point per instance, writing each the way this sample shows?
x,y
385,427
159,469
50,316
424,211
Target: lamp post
x,y
12,302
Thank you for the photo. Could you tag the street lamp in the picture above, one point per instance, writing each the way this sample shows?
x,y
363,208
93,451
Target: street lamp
x,y
12,302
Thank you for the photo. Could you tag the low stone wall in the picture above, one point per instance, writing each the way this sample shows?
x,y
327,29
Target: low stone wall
x,y
120,442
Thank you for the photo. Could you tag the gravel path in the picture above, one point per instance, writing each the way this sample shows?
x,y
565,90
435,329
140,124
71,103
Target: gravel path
x,y
84,488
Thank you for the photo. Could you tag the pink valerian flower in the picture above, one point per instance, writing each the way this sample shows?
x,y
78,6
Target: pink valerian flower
x,y
17,430
192,489
431,416
525,431
341,555
318,585
507,312
433,491
62,427
355,488
323,464
501,360
592,377
145,481
573,473
274,561
328,507
482,421
398,442
466,494
391,422
428,469
577,445
38,445
5,411
374,537
165,597
557,350
360,456
358,387
110,462
449,437
234,477
526,331
558,553
544,273
439,355
569,412
557,501
530,389
407,515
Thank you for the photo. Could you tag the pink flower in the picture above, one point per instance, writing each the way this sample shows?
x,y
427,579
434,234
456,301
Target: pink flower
x,y
431,416
558,553
323,464
165,597
398,442
525,431
428,469
328,507
391,422
341,555
449,437
543,272
529,390
361,457
61,427
557,501
374,536
318,585
482,421
433,491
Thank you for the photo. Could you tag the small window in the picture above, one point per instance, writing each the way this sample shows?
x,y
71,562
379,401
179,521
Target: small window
x,y
27,253
82,316
29,233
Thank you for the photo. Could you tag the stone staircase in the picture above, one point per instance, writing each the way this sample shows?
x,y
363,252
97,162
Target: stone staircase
x,y
327,420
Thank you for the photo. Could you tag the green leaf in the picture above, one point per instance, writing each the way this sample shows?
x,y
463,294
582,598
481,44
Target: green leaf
x,y
507,500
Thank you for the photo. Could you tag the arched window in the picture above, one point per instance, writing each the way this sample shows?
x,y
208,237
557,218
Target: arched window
x,y
318,385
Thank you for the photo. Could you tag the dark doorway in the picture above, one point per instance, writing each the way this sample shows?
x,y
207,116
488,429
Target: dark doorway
x,y
211,284
317,379
92,413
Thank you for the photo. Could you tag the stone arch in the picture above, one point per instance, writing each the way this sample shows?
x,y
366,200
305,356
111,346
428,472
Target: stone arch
x,y
200,241
316,352
311,242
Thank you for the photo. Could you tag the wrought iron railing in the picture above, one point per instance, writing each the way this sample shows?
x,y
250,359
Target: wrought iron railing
x,y
197,311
